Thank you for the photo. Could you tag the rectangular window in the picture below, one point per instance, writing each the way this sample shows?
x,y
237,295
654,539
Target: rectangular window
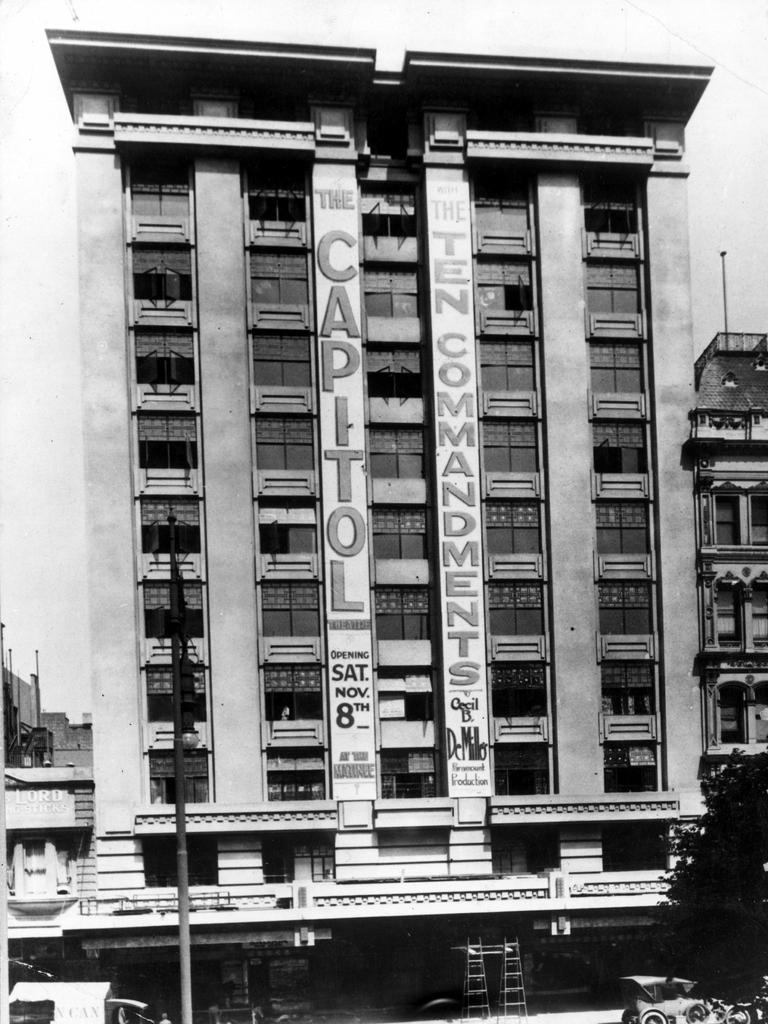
x,y
281,360
627,688
629,768
293,692
279,279
504,286
393,372
162,780
399,532
501,203
389,213
284,442
157,609
39,867
509,446
726,519
396,453
155,532
727,618
610,206
160,189
612,288
162,275
760,614
506,365
407,774
622,527
521,769
391,293
758,508
295,775
616,367
515,609
290,609
160,861
276,192
167,442
402,613
518,691
625,608
512,527
525,849
405,696
632,846
164,358
160,695
619,448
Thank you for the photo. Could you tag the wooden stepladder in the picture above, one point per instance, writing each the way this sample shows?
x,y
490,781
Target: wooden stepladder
x,y
511,1007
475,1002
511,987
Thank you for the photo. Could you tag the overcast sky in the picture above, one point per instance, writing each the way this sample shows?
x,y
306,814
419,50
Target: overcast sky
x,y
42,499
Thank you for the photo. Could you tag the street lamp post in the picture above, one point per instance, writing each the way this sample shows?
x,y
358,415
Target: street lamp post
x,y
184,738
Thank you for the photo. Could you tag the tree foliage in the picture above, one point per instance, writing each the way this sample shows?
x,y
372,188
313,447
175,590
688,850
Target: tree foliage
x,y
715,924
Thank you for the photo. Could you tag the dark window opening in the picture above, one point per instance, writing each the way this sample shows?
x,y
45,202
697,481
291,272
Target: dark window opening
x,y
515,609
627,688
521,769
616,367
728,611
619,448
635,847
394,372
295,775
407,774
167,442
629,768
157,609
624,608
293,692
622,527
525,850
281,360
501,202
162,275
402,613
160,695
276,192
727,520
162,777
290,609
406,698
399,532
610,206
163,358
518,691
504,287
160,861
731,703
155,532
758,506
287,538
389,214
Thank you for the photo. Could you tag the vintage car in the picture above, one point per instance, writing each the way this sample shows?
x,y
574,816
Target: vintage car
x,y
654,1000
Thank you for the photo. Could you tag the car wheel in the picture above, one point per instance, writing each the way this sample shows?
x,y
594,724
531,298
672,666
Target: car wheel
x,y
696,1013
738,1015
653,1017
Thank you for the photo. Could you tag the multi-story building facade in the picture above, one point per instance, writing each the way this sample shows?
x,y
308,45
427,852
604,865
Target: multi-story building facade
x,y
728,443
409,358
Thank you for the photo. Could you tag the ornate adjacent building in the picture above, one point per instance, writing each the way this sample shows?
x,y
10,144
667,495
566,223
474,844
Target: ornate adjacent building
x,y
729,441
409,357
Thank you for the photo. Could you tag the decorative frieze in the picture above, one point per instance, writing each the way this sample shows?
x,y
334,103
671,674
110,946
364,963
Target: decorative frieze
x,y
560,147
219,131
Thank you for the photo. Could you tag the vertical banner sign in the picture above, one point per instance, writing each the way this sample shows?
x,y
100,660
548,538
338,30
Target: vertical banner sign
x,y
342,445
458,483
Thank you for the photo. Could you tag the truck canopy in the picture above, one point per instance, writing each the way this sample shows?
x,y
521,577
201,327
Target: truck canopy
x,y
42,1001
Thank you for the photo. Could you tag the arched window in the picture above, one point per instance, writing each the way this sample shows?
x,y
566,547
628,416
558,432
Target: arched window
x,y
731,705
761,713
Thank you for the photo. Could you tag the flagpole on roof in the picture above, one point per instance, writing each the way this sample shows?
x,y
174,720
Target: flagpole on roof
x,y
723,254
